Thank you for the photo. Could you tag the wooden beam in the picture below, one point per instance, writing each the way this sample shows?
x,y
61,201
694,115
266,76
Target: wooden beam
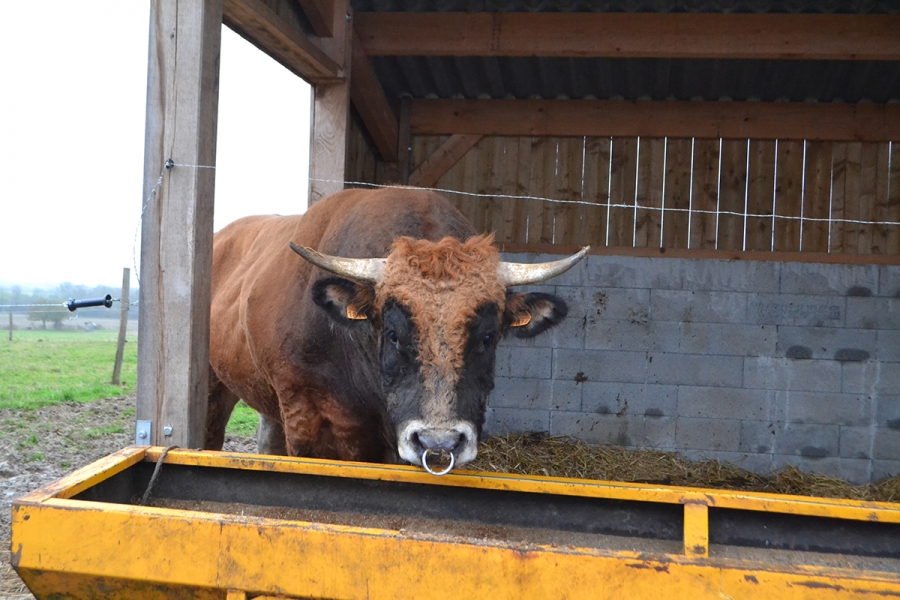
x,y
259,24
633,35
177,223
372,105
739,120
442,160
331,118
320,14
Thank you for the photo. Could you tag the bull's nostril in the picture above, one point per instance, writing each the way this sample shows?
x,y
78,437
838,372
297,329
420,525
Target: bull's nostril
x,y
438,441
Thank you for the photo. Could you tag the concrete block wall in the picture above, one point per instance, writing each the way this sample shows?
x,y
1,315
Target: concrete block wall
x,y
757,363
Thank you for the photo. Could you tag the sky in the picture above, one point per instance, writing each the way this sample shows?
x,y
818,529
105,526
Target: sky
x,y
73,86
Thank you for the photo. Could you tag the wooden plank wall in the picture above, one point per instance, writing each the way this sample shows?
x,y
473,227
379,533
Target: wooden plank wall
x,y
676,193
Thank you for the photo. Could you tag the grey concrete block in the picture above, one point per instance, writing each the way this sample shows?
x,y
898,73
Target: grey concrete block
x,y
632,335
887,444
787,374
884,469
600,365
887,346
855,471
503,421
517,392
856,442
889,281
695,369
887,411
831,408
698,306
822,278
732,275
708,434
759,436
824,342
796,309
631,305
598,429
808,441
873,313
606,271
632,399
728,339
871,377
659,433
723,402
531,363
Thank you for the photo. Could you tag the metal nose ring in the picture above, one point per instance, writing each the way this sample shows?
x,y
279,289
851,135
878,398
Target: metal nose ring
x,y
425,454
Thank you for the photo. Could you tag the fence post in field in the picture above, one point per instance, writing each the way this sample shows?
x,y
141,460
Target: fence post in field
x,y
123,325
10,325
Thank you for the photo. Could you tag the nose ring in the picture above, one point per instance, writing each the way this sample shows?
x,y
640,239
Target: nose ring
x,y
425,454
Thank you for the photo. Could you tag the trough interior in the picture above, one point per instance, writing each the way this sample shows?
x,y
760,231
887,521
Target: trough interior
x,y
507,516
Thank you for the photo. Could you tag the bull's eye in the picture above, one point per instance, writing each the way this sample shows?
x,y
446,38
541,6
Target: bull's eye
x,y
489,339
392,336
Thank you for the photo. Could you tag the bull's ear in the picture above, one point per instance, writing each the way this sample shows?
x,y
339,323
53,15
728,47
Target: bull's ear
x,y
345,301
528,314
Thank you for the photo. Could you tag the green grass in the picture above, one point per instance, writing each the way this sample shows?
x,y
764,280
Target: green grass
x,y
243,420
38,368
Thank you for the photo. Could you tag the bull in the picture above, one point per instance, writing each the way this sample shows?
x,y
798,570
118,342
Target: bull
x,y
378,345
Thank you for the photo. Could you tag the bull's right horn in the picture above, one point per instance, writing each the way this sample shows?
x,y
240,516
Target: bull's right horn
x,y
525,274
366,270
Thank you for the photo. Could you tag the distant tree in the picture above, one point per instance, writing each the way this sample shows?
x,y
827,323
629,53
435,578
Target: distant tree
x,y
56,313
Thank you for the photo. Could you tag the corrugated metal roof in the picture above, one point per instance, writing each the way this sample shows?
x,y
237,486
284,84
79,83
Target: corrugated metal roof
x,y
635,79
639,79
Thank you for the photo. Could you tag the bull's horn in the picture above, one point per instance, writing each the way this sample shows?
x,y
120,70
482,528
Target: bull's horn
x,y
524,274
360,269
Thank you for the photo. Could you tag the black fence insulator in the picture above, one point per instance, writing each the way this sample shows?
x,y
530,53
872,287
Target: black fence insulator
x,y
72,304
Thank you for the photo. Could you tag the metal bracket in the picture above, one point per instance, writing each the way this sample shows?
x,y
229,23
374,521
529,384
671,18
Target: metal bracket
x,y
142,433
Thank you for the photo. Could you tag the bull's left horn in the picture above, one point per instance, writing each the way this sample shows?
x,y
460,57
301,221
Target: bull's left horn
x,y
524,274
360,269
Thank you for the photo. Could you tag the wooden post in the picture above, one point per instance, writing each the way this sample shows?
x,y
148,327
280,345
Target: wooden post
x,y
177,226
123,324
330,118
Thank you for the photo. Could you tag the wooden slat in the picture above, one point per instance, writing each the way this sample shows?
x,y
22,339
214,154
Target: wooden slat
x,y
755,120
678,191
889,236
523,170
597,189
817,196
633,35
733,182
428,173
624,164
259,24
760,192
541,180
568,187
650,188
328,160
868,188
177,225
845,197
705,194
320,14
373,107
788,188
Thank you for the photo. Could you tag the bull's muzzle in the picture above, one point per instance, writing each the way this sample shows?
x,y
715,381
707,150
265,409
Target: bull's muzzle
x,y
457,438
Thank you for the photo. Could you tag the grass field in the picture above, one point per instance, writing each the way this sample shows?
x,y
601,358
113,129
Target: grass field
x,y
39,368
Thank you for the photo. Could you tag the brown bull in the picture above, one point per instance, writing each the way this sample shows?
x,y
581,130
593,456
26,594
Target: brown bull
x,y
362,357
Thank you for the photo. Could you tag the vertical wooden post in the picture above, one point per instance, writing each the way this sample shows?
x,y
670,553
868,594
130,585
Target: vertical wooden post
x,y
123,324
331,117
177,226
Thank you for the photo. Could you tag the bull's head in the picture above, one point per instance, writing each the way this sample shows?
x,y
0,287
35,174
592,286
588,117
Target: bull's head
x,y
439,309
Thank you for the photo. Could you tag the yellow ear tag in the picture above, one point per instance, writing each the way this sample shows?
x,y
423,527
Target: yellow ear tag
x,y
522,320
352,314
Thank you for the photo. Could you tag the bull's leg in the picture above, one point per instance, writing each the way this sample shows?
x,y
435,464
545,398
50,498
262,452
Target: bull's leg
x,y
221,404
270,437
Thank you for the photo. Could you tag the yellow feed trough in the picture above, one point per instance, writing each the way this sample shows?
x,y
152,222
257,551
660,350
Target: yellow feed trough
x,y
236,526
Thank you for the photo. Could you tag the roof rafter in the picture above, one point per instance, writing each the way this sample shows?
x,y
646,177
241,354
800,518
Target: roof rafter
x,y
633,35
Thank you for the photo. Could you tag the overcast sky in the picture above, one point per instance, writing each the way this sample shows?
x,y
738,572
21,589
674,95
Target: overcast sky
x,y
72,99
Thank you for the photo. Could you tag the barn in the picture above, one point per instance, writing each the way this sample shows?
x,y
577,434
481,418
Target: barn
x,y
730,163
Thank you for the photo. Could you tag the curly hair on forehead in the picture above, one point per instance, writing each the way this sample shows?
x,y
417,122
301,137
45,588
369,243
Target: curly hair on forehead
x,y
442,284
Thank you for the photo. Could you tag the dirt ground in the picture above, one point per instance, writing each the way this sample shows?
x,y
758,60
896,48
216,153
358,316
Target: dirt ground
x,y
38,447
